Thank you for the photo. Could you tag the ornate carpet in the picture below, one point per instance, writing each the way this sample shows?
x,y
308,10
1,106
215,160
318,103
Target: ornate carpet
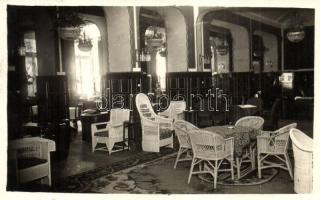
x,y
151,173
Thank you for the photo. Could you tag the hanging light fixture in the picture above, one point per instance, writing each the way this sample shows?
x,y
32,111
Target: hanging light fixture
x,y
85,44
296,33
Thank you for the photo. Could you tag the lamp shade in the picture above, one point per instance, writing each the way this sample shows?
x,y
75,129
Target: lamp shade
x,y
295,35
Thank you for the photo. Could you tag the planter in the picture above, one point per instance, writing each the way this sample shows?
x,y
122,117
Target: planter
x,y
155,42
69,33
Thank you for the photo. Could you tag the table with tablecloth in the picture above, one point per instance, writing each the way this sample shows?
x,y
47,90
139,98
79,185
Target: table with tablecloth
x,y
242,138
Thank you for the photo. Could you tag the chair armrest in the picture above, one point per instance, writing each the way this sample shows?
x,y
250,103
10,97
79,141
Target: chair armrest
x,y
164,113
95,129
163,120
115,125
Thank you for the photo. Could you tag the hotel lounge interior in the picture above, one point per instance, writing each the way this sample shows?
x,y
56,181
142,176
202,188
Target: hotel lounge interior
x,y
160,100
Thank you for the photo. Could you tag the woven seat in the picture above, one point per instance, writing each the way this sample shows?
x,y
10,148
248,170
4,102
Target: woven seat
x,y
31,158
110,133
209,151
181,129
275,144
156,130
303,161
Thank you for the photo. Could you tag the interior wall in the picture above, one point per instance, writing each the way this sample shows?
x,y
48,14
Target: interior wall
x,y
240,45
271,54
176,30
119,39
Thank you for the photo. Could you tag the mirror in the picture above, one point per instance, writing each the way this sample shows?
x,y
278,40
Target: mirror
x,y
153,54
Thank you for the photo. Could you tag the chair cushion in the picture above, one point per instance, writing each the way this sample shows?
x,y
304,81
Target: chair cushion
x,y
102,134
165,133
24,162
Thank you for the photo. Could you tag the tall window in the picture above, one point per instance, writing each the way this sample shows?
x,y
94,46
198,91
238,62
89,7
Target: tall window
x,y
87,63
31,62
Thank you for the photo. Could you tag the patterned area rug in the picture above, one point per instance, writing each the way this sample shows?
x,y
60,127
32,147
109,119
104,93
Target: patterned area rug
x,y
86,181
152,174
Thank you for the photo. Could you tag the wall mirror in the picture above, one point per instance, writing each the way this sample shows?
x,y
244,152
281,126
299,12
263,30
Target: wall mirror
x,y
153,54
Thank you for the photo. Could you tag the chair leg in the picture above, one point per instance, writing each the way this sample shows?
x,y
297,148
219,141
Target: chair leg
x,y
288,163
178,156
215,171
191,169
231,169
110,145
253,157
238,167
259,165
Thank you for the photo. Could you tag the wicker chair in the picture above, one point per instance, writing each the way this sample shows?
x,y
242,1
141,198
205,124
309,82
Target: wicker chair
x,y
175,110
303,156
274,143
209,151
181,129
156,130
110,133
31,159
256,123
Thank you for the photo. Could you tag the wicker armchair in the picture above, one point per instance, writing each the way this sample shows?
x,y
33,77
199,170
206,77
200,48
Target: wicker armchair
x,y
274,143
110,133
31,159
175,110
209,151
256,123
303,155
156,130
181,129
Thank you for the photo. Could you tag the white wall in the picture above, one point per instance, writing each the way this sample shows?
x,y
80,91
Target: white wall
x,y
119,39
176,40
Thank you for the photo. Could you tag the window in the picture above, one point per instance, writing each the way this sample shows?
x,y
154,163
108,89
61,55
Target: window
x,y
87,64
161,70
31,62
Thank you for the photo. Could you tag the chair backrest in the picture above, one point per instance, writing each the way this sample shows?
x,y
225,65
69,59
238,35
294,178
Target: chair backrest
x,y
282,135
302,146
181,129
176,107
207,145
254,122
301,141
118,115
32,147
144,107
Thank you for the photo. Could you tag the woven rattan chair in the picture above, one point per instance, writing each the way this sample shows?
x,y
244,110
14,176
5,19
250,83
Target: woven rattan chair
x,y
275,144
31,158
110,133
156,130
303,155
209,151
256,123
181,129
175,110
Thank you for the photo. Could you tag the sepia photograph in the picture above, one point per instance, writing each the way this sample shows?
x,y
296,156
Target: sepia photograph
x,y
158,98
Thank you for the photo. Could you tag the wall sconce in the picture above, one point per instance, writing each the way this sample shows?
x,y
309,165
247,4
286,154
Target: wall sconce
x,y
205,59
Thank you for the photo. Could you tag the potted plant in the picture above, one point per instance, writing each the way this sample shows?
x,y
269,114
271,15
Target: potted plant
x,y
69,24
